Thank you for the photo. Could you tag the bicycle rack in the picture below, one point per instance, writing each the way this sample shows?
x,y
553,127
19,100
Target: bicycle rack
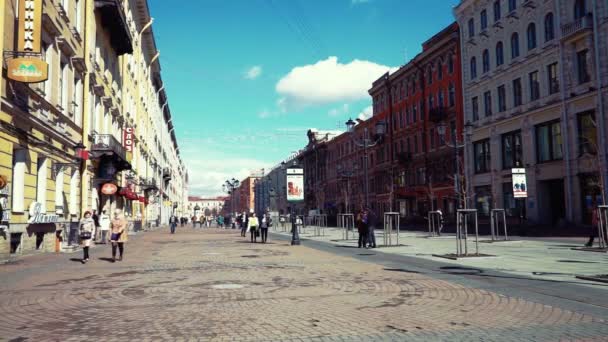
x,y
391,221
496,214
434,218
602,221
320,223
346,222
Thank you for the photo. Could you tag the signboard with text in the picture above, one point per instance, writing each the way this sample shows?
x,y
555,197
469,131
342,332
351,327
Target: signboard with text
x,y
30,20
295,185
520,187
128,137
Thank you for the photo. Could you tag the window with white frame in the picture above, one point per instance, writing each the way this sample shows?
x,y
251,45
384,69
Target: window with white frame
x,y
18,180
41,179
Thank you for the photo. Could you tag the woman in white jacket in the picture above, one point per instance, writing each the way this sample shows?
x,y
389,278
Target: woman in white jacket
x,y
87,226
252,227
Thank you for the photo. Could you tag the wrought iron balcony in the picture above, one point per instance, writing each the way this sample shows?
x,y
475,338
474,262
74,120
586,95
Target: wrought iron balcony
x,y
167,173
149,184
107,144
114,20
578,26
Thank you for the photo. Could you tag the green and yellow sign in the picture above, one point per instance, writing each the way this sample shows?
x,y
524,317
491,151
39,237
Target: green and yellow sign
x,y
28,70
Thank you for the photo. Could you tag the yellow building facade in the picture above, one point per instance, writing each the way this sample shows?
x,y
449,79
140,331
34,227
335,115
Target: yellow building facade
x,y
103,95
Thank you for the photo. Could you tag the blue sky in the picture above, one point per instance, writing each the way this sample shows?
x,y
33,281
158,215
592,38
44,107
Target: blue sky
x,y
247,78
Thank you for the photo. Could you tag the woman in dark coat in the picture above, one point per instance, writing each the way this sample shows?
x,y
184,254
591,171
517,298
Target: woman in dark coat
x,y
362,229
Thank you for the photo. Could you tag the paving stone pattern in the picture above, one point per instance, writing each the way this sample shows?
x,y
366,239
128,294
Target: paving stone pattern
x,y
212,285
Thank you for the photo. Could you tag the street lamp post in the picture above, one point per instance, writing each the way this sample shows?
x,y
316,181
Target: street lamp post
x,y
468,129
295,171
366,143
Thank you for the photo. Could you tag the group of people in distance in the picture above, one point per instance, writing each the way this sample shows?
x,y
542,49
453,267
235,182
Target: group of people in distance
x,y
256,226
93,227
365,222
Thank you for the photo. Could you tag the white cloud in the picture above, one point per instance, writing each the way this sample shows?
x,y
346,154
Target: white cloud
x,y
264,114
344,109
366,113
207,175
253,73
328,81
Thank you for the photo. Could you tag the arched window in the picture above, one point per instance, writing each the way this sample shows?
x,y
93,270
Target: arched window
x,y
549,29
485,61
439,69
450,64
497,13
484,19
471,28
514,45
473,68
429,75
499,54
451,95
579,9
512,5
531,36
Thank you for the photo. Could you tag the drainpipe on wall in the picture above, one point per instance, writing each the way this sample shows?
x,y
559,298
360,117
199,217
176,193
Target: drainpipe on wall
x,y
603,168
564,120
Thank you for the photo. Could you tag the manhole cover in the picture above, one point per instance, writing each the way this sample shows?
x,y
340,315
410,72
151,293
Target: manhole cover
x,y
227,286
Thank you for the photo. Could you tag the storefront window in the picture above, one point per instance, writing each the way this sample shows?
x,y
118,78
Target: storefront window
x,y
549,142
512,153
482,156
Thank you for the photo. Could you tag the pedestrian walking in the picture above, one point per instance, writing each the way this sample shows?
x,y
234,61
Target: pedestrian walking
x,y
594,227
193,221
119,234
173,223
264,225
362,229
252,227
87,227
104,226
96,230
220,221
244,224
371,222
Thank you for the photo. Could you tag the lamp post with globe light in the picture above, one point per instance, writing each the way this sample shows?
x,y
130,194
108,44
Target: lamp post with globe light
x,y
366,142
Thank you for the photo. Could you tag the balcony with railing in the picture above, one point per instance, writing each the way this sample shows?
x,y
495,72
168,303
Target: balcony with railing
x,y
113,19
573,29
166,173
106,144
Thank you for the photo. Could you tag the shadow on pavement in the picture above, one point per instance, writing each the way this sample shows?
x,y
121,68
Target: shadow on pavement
x,y
106,259
76,259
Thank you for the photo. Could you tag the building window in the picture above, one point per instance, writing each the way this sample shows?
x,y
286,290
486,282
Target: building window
x,y
512,152
414,114
500,59
432,138
497,10
582,69
549,28
509,202
431,102
549,141
587,134
439,70
512,5
421,109
429,75
485,61
450,64
415,144
484,20
552,78
502,98
531,36
473,68
483,200
579,9
514,45
517,95
18,180
487,103
475,105
453,131
482,156
451,95
41,182
534,86
471,28
440,99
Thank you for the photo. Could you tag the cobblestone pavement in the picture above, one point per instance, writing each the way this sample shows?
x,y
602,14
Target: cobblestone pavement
x,y
214,285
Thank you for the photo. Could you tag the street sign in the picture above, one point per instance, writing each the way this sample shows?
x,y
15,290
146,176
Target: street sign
x,y
295,185
520,187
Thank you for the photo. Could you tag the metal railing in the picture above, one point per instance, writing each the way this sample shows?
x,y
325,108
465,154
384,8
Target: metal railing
x,y
107,143
583,23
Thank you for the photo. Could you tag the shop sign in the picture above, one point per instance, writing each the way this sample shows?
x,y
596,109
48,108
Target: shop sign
x,y
109,189
37,216
128,136
520,188
30,19
28,70
295,185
